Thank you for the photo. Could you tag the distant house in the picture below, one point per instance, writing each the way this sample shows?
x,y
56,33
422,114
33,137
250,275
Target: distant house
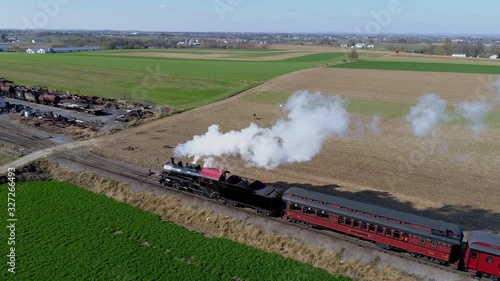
x,y
360,45
30,51
344,46
41,51
494,57
459,55
370,46
189,42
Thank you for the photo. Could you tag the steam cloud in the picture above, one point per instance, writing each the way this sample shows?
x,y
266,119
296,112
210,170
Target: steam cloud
x,y
312,118
426,115
430,111
474,114
374,126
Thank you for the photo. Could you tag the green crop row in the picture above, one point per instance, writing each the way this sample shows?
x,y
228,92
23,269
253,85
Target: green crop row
x,y
422,66
67,233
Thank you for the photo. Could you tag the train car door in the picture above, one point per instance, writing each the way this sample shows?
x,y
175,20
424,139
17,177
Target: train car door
x,y
473,260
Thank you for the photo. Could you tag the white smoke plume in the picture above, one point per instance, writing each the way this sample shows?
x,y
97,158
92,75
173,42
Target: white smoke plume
x,y
474,114
426,115
312,118
374,126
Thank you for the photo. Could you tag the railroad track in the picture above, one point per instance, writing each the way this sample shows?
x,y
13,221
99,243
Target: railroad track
x,y
94,161
91,160
14,134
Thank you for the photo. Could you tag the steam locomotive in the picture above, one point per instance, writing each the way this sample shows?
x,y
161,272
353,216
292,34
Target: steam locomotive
x,y
217,184
421,237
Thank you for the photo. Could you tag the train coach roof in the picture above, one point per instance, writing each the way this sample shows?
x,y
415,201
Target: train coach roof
x,y
212,173
493,240
372,209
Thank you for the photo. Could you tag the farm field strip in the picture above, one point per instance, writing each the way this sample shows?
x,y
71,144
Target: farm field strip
x,y
180,83
422,66
436,59
102,239
369,107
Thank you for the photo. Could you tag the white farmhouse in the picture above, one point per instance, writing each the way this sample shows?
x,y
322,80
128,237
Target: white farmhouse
x,y
370,46
494,57
360,45
41,51
30,51
459,55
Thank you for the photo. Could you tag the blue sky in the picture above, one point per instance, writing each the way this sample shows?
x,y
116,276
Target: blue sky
x,y
365,16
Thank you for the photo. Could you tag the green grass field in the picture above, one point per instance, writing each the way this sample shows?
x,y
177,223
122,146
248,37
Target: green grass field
x,y
422,66
179,83
67,233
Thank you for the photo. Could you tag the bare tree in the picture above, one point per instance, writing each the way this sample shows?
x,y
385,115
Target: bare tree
x,y
447,46
353,54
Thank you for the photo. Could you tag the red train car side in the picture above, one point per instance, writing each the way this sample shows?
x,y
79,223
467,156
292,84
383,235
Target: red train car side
x,y
482,257
422,237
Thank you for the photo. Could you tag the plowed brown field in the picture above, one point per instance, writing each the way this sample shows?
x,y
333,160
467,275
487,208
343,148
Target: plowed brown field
x,y
451,176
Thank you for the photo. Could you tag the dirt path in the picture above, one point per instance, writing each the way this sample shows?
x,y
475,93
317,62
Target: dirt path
x,y
47,152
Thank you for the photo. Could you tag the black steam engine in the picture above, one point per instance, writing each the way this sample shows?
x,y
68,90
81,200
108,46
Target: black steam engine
x,y
218,184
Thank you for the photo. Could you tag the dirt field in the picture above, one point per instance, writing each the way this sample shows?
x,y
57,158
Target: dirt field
x,y
219,55
452,176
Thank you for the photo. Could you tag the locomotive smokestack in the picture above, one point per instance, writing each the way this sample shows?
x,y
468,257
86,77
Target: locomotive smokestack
x,y
172,160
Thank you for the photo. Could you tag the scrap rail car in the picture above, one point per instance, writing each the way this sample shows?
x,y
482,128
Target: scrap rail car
x,y
30,94
216,184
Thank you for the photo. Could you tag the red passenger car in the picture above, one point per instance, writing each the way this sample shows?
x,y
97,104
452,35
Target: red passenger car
x,y
422,237
482,257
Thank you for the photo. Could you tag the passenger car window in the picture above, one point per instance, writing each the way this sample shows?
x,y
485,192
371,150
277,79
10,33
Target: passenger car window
x,y
489,259
405,237
309,211
341,220
323,214
355,223
473,255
